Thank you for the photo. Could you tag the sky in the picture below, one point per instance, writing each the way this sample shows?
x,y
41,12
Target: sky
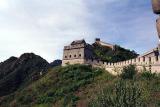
x,y
44,27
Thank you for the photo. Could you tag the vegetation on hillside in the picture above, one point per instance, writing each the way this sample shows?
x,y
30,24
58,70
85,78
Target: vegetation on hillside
x,y
16,73
109,55
136,90
84,86
60,84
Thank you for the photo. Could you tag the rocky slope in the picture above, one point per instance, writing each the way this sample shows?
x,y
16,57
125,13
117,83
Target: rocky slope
x,y
17,72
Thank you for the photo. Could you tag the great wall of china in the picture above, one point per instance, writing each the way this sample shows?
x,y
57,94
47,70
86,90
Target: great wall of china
x,y
78,52
149,63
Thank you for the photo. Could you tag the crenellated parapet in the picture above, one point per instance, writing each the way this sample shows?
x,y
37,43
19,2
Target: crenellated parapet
x,y
150,61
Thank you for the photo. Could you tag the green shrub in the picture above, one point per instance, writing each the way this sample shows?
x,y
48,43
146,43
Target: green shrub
x,y
25,99
116,55
58,85
128,72
72,99
123,94
148,75
45,100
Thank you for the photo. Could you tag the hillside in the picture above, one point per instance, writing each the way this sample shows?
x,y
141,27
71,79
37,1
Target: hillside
x,y
30,81
84,86
17,72
58,85
109,55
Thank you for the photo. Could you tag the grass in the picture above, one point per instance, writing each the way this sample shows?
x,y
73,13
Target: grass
x,y
59,84
130,90
84,86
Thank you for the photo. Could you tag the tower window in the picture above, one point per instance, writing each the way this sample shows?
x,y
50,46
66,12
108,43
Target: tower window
x,y
150,59
156,57
79,55
74,55
143,59
70,56
65,56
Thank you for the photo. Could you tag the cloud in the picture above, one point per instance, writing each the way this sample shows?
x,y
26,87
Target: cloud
x,y
3,4
44,27
127,23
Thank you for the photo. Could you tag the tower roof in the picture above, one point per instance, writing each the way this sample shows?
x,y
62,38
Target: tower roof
x,y
78,42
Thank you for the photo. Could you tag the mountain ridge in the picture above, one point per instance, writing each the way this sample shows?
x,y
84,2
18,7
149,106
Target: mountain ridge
x,y
14,71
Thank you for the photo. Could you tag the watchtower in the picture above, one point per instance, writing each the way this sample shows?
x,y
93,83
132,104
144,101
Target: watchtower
x,y
77,53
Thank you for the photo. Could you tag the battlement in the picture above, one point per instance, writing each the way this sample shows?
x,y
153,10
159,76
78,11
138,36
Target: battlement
x,y
150,63
74,46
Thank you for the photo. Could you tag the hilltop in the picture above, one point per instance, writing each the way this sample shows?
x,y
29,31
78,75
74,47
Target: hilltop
x,y
17,72
107,54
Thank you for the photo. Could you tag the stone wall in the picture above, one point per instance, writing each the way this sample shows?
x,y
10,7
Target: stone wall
x,y
73,61
150,63
76,53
